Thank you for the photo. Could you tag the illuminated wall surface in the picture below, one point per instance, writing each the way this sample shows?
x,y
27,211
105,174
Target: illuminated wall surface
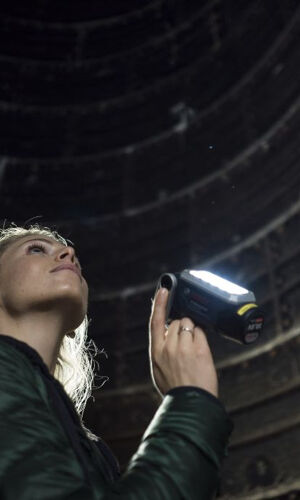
x,y
157,136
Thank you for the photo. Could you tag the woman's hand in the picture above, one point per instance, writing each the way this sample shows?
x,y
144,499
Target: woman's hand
x,y
178,358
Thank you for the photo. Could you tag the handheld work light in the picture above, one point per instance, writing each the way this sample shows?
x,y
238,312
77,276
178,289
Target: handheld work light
x,y
213,303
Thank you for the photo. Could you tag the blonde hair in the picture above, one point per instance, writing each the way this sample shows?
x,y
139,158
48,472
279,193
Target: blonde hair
x,y
75,362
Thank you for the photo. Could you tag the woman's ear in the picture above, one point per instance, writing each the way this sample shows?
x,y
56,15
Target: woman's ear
x,y
71,334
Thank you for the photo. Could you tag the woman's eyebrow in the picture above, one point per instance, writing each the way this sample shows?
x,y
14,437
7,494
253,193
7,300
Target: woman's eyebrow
x,y
37,239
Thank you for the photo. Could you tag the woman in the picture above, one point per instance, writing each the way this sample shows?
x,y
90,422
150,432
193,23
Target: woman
x,y
46,374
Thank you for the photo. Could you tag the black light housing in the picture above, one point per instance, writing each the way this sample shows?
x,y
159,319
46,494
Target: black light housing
x,y
213,303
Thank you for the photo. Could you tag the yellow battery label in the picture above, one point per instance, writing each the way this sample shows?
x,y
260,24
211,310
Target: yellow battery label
x,y
245,308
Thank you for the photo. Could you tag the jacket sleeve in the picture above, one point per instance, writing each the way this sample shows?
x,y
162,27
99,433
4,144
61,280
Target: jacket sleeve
x,y
179,456
182,450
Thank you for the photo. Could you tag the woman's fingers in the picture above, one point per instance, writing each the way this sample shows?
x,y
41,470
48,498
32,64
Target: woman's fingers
x,y
158,319
201,343
178,358
185,338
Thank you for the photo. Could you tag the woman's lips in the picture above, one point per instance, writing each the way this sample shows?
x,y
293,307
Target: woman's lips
x,y
68,268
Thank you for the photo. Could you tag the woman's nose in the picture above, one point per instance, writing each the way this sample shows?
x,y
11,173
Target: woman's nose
x,y
67,252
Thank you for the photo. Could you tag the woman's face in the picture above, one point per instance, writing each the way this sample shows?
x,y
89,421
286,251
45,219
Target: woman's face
x,y
28,283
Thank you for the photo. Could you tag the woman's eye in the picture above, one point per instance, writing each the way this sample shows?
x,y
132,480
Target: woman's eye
x,y
36,245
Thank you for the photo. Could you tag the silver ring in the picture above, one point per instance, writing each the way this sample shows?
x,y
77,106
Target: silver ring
x,y
185,329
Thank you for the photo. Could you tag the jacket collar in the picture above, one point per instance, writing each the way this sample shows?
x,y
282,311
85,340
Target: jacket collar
x,y
31,353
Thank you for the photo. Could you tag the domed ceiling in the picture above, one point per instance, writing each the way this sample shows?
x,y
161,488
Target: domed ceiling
x,y
159,136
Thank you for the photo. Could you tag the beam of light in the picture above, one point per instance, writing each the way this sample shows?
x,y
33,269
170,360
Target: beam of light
x,y
219,282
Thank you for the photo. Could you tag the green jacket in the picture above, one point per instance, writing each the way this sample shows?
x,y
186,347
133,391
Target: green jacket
x,y
45,454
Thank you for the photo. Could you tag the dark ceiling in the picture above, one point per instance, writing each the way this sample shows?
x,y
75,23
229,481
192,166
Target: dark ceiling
x,y
158,136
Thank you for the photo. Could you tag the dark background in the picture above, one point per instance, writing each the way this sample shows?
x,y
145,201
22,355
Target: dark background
x,y
157,136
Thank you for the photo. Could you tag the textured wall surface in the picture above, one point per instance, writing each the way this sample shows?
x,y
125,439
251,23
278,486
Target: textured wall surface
x,y
157,136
